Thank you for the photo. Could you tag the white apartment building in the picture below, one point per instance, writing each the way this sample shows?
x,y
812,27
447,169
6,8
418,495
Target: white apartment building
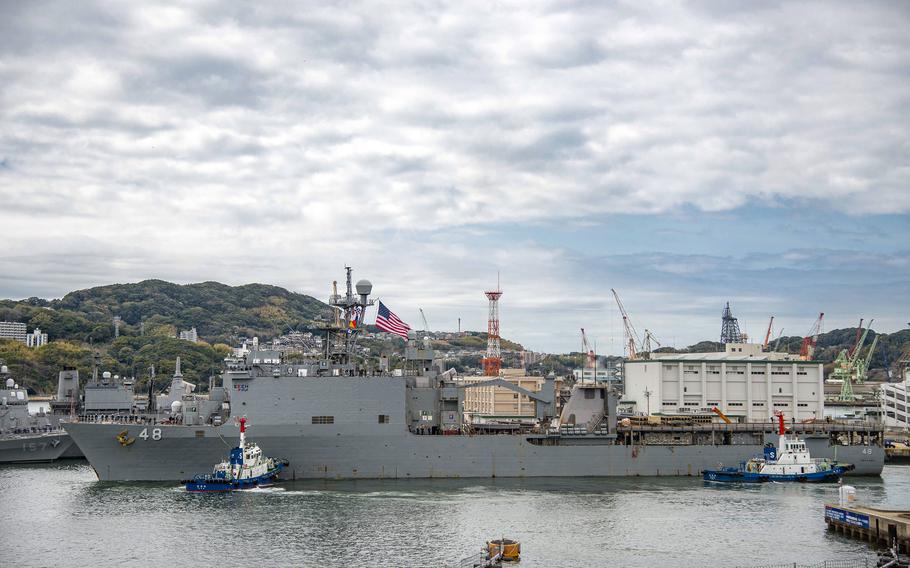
x,y
189,335
36,338
13,330
588,375
896,402
744,382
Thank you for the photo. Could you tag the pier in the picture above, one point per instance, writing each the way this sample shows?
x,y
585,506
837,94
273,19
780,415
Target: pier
x,y
877,526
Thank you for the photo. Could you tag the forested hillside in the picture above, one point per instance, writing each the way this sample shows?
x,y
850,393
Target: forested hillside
x,y
152,313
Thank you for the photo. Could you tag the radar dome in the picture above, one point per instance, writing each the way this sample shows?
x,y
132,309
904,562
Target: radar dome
x,y
9,383
176,407
106,375
364,287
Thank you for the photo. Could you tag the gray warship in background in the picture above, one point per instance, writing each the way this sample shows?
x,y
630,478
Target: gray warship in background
x,y
334,419
27,437
38,437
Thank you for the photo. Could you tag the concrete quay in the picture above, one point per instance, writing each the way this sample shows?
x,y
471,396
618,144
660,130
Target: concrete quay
x,y
876,526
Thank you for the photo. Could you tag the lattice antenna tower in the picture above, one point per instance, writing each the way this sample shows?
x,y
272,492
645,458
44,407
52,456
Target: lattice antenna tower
x,y
729,329
492,363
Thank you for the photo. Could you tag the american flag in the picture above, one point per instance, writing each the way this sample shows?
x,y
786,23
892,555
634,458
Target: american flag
x,y
387,321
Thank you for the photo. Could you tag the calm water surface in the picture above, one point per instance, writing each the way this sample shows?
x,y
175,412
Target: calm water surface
x,y
60,515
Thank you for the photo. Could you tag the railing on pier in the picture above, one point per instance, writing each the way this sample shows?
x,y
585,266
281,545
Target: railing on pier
x,y
820,428
859,562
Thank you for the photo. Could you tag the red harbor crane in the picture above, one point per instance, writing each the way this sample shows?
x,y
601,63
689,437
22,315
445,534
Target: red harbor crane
x,y
630,336
807,351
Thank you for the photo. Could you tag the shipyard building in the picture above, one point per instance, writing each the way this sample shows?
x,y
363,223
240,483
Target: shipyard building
x,y
744,382
498,402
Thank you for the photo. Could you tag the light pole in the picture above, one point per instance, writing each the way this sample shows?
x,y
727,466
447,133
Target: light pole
x,y
648,399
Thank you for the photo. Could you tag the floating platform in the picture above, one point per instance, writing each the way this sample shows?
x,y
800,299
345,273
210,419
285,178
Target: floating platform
x,y
877,526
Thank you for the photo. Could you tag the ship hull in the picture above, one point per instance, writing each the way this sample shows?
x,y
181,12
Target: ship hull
x,y
173,453
38,448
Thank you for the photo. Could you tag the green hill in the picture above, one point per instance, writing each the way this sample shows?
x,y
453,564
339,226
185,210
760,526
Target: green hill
x,y
217,311
152,312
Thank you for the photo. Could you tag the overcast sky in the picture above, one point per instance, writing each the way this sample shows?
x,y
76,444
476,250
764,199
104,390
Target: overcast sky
x,y
686,154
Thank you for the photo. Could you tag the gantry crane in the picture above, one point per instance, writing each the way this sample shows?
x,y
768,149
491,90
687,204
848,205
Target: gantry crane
x,y
590,356
859,331
849,367
650,342
764,345
630,336
807,351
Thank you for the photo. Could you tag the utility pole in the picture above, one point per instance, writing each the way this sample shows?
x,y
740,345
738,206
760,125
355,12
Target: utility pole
x,y
648,401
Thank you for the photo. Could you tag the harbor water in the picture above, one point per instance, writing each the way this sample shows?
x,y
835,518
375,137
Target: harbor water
x,y
60,515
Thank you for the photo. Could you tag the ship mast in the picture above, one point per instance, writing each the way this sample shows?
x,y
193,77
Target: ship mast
x,y
348,313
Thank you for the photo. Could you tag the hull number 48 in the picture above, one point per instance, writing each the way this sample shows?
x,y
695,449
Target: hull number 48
x,y
155,435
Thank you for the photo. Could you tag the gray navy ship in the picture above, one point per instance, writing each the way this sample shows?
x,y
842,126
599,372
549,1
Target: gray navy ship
x,y
27,437
334,419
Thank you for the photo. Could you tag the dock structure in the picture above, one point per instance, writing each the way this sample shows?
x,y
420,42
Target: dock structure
x,y
877,526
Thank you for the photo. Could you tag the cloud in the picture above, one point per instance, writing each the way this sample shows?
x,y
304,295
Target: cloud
x,y
278,142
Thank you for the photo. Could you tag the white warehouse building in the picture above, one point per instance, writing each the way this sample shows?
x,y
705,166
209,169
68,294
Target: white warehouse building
x,y
744,382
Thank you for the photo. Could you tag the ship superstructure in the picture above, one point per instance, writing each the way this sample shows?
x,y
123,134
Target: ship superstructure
x,y
334,418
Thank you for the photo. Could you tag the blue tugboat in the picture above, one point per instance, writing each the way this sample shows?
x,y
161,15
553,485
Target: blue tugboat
x,y
790,461
245,469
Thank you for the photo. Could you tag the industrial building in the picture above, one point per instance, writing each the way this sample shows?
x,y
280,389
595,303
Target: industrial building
x,y
500,402
13,330
744,382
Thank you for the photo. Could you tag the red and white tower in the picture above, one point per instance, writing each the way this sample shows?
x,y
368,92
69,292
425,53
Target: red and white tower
x,y
492,363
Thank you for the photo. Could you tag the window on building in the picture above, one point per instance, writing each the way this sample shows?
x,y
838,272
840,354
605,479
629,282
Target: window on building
x,y
589,393
802,404
758,404
384,419
323,420
515,395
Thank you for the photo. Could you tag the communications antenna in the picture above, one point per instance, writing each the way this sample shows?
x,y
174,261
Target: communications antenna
x,y
492,363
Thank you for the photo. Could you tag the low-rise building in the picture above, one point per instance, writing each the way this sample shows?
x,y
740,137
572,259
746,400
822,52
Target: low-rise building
x,y
601,374
189,335
743,382
499,402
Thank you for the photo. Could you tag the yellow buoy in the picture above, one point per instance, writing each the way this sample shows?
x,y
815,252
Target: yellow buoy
x,y
510,549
